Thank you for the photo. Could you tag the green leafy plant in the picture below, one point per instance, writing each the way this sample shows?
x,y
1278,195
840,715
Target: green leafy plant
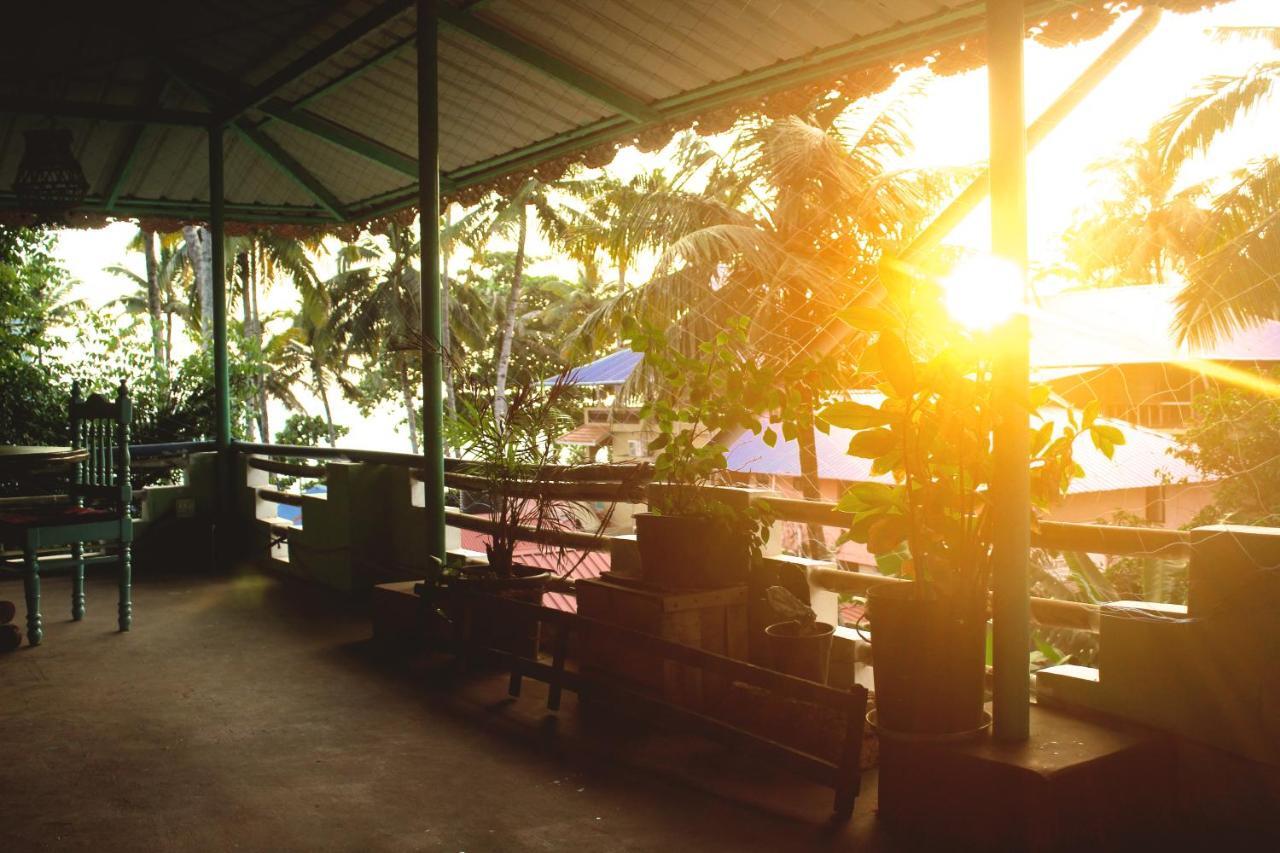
x,y
790,608
933,432
508,461
701,395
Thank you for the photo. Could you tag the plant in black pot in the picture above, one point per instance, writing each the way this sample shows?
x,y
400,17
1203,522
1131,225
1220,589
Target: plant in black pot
x,y
799,644
930,428
694,537
505,478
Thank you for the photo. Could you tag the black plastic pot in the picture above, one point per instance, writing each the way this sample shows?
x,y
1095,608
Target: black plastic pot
x,y
526,584
928,660
689,552
799,650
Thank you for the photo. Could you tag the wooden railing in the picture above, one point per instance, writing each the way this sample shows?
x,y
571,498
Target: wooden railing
x,y
628,482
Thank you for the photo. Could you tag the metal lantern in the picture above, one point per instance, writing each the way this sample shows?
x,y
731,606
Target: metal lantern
x,y
50,180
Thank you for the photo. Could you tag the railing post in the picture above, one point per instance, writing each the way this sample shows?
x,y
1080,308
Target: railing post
x,y
429,242
1010,486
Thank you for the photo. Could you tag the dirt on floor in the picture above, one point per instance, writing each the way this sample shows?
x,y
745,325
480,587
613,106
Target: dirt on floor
x,y
251,713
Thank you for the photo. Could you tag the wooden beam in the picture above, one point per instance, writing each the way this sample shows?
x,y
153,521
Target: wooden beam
x,y
295,171
378,17
152,94
47,108
546,63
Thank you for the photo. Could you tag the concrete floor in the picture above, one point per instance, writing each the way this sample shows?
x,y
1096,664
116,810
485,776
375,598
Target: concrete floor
x,y
249,713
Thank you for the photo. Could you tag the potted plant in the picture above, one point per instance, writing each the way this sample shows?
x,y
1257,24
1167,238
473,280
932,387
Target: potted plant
x,y
930,429
800,645
692,537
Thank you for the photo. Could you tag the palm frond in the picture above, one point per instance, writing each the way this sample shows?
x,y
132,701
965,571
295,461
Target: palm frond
x,y
1202,117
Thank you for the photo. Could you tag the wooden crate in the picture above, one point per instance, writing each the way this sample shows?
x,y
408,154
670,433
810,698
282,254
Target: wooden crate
x,y
714,620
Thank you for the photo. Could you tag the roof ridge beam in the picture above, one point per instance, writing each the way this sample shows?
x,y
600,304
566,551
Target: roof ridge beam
x,y
378,17
548,64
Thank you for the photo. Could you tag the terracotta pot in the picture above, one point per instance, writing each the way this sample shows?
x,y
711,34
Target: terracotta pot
x,y
928,656
689,552
799,650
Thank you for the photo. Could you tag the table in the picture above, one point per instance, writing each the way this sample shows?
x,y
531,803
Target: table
x,y
21,459
17,460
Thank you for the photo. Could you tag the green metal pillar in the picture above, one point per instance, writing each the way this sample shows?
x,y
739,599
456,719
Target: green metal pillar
x,y
221,372
1010,482
429,224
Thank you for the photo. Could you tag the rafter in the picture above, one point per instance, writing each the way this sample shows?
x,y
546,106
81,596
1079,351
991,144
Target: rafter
x,y
285,162
19,105
152,94
381,15
216,84
553,66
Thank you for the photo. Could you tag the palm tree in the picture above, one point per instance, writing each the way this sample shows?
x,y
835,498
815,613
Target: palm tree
x,y
1233,283
1145,230
508,216
784,229
159,294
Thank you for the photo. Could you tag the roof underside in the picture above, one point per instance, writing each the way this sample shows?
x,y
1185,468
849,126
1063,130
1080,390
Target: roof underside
x,y
320,96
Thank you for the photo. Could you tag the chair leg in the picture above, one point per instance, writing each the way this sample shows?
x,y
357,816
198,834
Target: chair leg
x,y
77,581
31,586
126,587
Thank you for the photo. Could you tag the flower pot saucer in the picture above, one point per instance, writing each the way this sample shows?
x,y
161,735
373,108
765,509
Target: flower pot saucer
x,y
927,737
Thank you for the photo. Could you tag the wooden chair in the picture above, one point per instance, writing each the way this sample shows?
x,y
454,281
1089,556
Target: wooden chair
x,y
98,510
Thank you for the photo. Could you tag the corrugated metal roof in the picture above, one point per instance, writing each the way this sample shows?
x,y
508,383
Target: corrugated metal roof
x,y
523,85
1145,459
588,435
1132,325
613,369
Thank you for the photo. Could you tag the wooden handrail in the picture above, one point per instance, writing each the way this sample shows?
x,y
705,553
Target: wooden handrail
x,y
279,497
564,490
1050,612
549,536
292,469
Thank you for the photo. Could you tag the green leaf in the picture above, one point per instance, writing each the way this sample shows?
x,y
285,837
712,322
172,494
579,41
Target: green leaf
x,y
660,442
895,363
869,319
1040,438
1108,433
872,443
1090,415
770,437
851,415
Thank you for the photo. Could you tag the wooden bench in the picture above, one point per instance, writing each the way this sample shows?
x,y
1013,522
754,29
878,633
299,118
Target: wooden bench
x,y
840,773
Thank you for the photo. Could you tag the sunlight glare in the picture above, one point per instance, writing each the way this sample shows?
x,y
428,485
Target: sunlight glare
x,y
983,291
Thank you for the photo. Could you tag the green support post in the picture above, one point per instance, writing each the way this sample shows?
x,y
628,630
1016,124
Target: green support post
x,y
221,372
429,223
1010,482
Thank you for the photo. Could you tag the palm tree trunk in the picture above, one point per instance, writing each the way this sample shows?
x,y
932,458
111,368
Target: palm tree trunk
x,y
199,246
446,338
255,266
815,543
509,324
242,272
323,390
406,394
159,356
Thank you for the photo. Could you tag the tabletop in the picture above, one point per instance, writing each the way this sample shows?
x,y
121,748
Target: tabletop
x,y
24,456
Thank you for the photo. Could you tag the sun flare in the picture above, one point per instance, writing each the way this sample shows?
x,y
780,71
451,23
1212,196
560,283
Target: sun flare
x,y
983,291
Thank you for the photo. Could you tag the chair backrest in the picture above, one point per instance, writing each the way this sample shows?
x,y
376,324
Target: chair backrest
x,y
101,426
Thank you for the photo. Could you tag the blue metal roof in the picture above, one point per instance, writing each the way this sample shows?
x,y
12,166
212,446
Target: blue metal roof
x,y
611,370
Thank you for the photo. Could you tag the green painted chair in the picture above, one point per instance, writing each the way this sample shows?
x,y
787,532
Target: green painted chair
x,y
98,510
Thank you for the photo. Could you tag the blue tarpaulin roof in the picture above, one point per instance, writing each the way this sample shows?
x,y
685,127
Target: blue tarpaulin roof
x,y
610,370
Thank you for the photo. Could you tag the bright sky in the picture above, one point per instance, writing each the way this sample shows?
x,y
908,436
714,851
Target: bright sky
x,y
950,127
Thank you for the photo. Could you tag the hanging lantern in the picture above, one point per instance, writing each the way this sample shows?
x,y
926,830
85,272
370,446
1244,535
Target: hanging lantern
x,y
50,181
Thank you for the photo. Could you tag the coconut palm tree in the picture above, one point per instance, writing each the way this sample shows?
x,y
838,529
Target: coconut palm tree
x,y
160,294
1233,283
1146,229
